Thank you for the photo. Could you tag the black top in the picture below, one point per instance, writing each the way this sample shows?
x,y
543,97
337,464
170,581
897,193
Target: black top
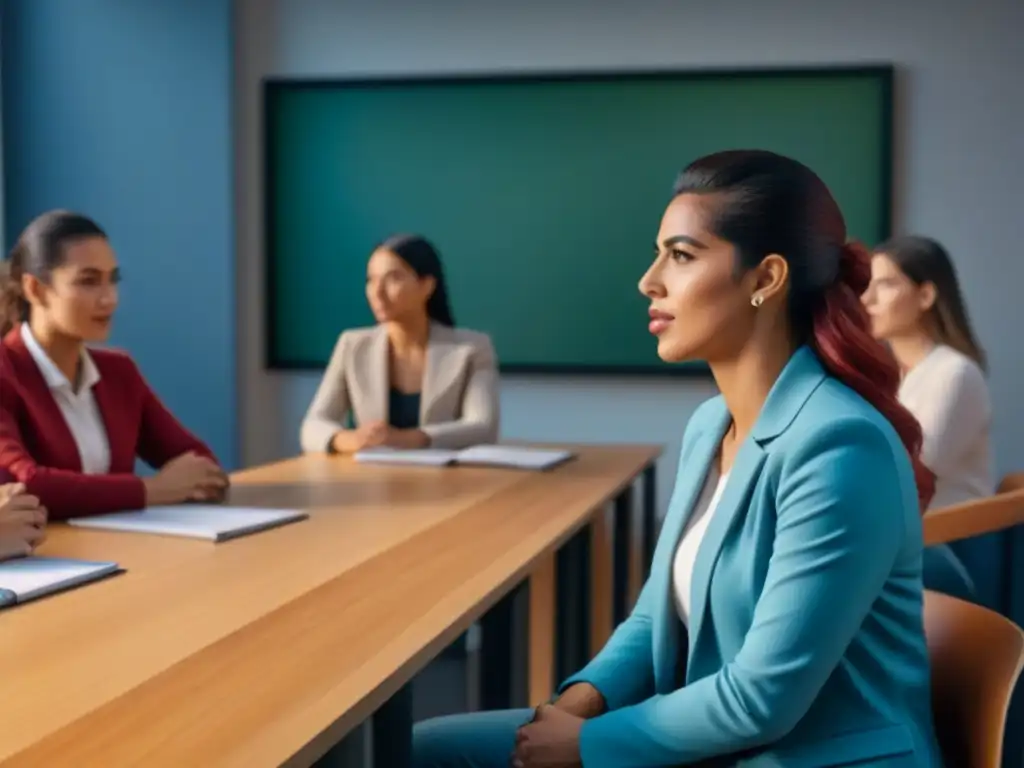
x,y
403,409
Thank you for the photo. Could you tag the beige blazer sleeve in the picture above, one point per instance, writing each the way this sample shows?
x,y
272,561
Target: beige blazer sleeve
x,y
479,415
328,413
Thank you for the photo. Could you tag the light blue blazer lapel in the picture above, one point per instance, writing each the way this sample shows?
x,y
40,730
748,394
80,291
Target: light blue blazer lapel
x,y
743,475
801,376
693,471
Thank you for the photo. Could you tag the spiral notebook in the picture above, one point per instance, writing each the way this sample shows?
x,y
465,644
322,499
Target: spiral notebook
x,y
195,521
29,578
508,456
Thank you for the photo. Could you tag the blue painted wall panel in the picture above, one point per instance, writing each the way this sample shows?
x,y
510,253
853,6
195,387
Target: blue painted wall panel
x,y
123,110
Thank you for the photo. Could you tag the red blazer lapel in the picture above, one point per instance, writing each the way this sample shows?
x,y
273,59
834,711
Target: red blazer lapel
x,y
53,436
112,410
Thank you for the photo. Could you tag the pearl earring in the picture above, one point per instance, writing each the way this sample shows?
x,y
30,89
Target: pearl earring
x,y
756,300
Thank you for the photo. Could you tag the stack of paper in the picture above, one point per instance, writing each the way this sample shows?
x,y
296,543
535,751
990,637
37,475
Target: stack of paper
x,y
510,456
514,456
197,521
427,457
28,578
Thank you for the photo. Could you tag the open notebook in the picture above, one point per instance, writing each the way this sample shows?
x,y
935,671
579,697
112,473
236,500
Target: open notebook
x,y
511,456
28,578
197,521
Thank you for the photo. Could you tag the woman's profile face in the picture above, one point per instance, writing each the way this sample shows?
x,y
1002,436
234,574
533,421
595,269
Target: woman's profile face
x,y
699,309
80,296
895,303
393,289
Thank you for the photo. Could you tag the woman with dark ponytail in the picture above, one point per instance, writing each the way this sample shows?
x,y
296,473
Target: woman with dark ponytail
x,y
782,621
414,379
73,419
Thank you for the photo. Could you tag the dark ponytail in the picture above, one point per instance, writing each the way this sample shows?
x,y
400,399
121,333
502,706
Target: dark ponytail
x,y
38,251
764,203
13,307
425,261
841,335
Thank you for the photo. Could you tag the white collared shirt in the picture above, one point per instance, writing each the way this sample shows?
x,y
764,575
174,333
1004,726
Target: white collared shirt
x,y
693,535
78,408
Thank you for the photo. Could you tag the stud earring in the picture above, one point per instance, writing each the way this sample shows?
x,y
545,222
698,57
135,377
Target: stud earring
x,y
756,300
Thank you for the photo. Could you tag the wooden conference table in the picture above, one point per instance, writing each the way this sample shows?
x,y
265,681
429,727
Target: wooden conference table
x,y
266,650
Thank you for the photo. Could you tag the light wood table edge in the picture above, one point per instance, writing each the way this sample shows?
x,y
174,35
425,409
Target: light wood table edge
x,y
361,710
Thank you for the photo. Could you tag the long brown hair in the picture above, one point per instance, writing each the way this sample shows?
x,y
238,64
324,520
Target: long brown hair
x,y
924,260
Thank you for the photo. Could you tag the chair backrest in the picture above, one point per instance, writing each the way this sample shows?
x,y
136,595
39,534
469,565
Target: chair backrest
x,y
1012,482
976,657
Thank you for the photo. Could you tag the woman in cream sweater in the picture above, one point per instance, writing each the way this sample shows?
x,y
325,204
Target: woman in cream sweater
x,y
916,306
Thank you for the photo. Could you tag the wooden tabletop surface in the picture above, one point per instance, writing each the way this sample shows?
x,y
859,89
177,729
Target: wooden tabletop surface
x,y
264,650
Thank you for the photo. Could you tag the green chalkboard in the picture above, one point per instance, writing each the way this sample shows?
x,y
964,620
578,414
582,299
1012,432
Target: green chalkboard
x,y
543,194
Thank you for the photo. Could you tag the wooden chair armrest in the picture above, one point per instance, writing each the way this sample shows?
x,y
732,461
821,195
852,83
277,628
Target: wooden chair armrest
x,y
1012,482
973,518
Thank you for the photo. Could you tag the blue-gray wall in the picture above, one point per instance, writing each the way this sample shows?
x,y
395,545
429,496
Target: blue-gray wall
x,y
122,109
954,175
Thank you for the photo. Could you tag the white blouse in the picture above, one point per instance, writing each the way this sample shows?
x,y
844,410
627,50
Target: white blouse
x,y
693,534
78,407
948,395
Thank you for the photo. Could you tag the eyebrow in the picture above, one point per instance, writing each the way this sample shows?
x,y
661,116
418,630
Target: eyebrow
x,y
676,239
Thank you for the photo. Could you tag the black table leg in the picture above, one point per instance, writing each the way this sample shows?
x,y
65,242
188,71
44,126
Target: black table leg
x,y
650,517
519,657
350,752
572,606
392,731
622,545
497,630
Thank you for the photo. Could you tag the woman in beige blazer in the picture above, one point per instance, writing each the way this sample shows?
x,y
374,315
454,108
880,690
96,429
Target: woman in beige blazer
x,y
413,380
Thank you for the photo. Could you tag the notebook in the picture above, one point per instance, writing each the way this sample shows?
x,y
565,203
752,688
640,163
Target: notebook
x,y
510,456
197,521
28,578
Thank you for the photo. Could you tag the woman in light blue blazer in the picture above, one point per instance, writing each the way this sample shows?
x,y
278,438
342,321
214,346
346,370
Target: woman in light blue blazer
x,y
781,625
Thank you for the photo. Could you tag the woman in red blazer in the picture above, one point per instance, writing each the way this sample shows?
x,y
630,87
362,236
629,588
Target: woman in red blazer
x,y
72,419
